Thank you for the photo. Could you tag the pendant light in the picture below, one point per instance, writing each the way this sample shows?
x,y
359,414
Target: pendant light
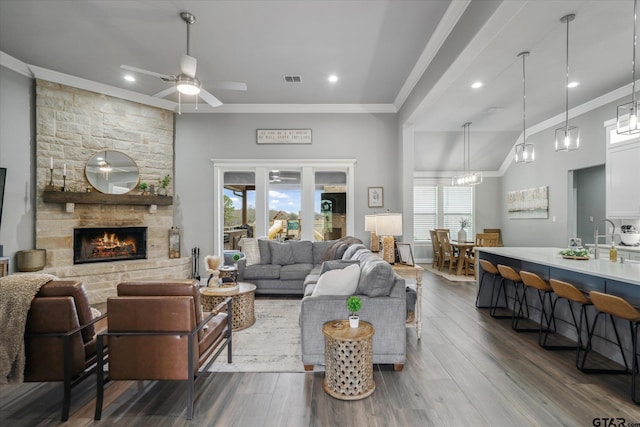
x,y
525,151
627,117
567,137
467,178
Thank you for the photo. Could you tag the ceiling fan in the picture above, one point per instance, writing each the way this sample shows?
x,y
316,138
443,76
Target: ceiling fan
x,y
274,176
186,82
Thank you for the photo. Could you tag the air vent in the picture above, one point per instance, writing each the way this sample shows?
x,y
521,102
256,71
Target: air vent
x,y
292,79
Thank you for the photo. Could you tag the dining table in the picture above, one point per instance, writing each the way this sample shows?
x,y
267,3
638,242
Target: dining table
x,y
463,248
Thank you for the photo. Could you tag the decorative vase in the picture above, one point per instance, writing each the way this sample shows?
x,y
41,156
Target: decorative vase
x,y
162,191
354,321
462,235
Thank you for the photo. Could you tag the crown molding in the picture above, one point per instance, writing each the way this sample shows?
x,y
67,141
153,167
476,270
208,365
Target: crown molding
x,y
292,108
14,64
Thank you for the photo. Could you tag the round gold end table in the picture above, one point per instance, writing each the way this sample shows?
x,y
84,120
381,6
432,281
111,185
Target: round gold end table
x,y
243,303
348,355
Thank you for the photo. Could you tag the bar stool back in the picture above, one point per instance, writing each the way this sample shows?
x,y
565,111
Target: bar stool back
x,y
615,306
544,290
570,293
509,274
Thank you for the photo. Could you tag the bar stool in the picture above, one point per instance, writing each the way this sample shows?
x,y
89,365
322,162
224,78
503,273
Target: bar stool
x,y
615,306
544,290
488,268
509,274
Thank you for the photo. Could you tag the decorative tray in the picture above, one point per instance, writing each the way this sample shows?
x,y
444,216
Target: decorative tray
x,y
575,257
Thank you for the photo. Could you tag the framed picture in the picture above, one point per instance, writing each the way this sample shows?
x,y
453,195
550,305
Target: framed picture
x,y
405,253
376,197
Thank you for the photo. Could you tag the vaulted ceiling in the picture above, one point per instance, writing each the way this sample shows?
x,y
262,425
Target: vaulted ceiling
x,y
389,55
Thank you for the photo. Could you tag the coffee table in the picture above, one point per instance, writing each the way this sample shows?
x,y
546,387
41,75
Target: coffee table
x,y
348,357
243,303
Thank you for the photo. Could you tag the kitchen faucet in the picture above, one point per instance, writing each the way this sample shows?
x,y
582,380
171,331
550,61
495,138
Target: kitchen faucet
x,y
596,236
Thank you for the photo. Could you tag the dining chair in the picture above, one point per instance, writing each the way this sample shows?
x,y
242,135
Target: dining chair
x,y
446,250
494,231
435,244
471,259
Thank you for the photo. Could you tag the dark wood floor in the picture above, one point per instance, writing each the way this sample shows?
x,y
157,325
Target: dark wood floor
x,y
468,369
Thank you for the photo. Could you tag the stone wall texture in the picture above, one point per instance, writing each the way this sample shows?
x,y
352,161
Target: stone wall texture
x,y
71,126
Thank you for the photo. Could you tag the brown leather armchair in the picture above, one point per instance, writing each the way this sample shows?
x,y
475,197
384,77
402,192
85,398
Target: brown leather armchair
x,y
157,331
60,337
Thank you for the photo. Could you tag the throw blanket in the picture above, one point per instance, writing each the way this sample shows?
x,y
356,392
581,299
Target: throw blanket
x,y
16,293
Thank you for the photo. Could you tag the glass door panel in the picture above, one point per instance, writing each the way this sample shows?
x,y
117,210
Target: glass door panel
x,y
330,205
285,197
239,207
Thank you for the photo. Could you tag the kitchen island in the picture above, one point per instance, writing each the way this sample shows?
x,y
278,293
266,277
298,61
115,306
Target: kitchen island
x,y
622,279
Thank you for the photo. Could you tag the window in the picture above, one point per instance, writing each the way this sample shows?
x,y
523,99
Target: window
x,y
436,204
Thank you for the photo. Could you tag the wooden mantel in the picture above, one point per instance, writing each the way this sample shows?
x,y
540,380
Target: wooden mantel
x,y
71,198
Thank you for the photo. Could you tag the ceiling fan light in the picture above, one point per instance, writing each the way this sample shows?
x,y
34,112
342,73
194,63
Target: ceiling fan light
x,y
187,85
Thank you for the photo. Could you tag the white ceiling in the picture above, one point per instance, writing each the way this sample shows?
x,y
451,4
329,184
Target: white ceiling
x,y
378,48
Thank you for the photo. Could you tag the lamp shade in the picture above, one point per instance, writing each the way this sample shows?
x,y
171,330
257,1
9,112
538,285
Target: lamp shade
x,y
369,223
389,224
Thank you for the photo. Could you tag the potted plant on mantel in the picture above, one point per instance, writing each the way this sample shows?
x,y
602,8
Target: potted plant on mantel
x,y
164,183
143,187
354,304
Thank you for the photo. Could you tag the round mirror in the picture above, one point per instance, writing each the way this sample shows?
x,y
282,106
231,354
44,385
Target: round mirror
x,y
112,172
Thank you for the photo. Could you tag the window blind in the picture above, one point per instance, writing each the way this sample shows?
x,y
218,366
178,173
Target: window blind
x,y
425,209
457,203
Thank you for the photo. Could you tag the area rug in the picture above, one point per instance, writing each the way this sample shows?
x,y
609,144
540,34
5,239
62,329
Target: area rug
x,y
445,274
272,344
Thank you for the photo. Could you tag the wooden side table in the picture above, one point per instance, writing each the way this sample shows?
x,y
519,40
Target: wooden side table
x,y
411,272
243,303
348,355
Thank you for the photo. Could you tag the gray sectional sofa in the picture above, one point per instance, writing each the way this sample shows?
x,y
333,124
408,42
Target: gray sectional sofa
x,y
294,268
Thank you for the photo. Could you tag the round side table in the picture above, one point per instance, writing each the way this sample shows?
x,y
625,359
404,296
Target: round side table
x,y
348,355
243,303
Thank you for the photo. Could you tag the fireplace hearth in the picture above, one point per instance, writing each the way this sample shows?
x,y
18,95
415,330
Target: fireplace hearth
x,y
105,244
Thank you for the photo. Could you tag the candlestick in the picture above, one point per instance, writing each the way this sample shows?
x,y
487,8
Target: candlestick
x,y
51,163
64,183
64,170
51,177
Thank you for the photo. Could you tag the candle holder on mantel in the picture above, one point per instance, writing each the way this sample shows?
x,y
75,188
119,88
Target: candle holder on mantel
x,y
50,186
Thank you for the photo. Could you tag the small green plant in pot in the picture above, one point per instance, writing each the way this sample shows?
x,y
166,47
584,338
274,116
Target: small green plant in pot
x,y
164,183
143,187
236,257
354,304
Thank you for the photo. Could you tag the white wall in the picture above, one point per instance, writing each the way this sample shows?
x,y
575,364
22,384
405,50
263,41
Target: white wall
x,y
369,138
552,169
16,136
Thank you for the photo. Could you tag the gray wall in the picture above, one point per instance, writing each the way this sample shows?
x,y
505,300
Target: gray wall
x,y
16,136
552,169
590,185
369,138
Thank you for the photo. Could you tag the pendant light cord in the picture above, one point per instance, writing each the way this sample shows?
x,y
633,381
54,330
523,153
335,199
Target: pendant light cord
x,y
566,122
524,97
633,62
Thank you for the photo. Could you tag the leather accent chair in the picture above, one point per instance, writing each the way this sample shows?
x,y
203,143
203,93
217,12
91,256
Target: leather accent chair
x,y
157,331
60,337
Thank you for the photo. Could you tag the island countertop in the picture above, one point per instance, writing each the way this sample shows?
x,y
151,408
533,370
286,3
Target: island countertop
x,y
628,271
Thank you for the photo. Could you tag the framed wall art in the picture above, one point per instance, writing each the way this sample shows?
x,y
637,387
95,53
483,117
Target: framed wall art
x,y
531,203
376,197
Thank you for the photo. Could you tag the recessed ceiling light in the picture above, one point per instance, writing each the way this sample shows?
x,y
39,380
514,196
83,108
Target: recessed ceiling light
x,y
573,84
333,78
495,109
129,78
476,85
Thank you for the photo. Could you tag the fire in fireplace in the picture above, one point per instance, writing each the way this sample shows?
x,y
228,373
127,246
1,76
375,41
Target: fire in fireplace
x,y
109,244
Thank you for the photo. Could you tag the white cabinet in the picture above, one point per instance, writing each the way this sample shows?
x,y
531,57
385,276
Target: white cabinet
x,y
623,180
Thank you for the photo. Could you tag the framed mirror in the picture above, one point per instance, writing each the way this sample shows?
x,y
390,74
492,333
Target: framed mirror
x,y
112,172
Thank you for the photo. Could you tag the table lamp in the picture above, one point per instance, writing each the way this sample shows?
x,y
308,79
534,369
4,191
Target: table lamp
x,y
370,225
388,225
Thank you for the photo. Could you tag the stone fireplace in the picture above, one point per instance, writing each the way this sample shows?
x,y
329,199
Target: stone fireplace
x,y
106,244
71,126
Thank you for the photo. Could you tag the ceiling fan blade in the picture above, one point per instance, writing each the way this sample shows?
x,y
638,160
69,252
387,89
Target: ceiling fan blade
x,y
227,85
209,99
149,73
188,65
166,92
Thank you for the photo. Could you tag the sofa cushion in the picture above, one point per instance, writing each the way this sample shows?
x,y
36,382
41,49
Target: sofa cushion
x,y
351,251
251,250
262,271
338,282
336,264
333,250
376,277
295,271
302,251
281,253
265,253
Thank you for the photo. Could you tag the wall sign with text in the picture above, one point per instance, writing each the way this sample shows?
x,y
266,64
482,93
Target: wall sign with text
x,y
283,136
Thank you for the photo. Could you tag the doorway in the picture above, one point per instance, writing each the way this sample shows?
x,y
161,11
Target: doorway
x,y
588,201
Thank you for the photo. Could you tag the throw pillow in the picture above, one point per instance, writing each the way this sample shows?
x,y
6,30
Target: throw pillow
x,y
251,250
302,251
338,282
376,278
336,264
281,253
